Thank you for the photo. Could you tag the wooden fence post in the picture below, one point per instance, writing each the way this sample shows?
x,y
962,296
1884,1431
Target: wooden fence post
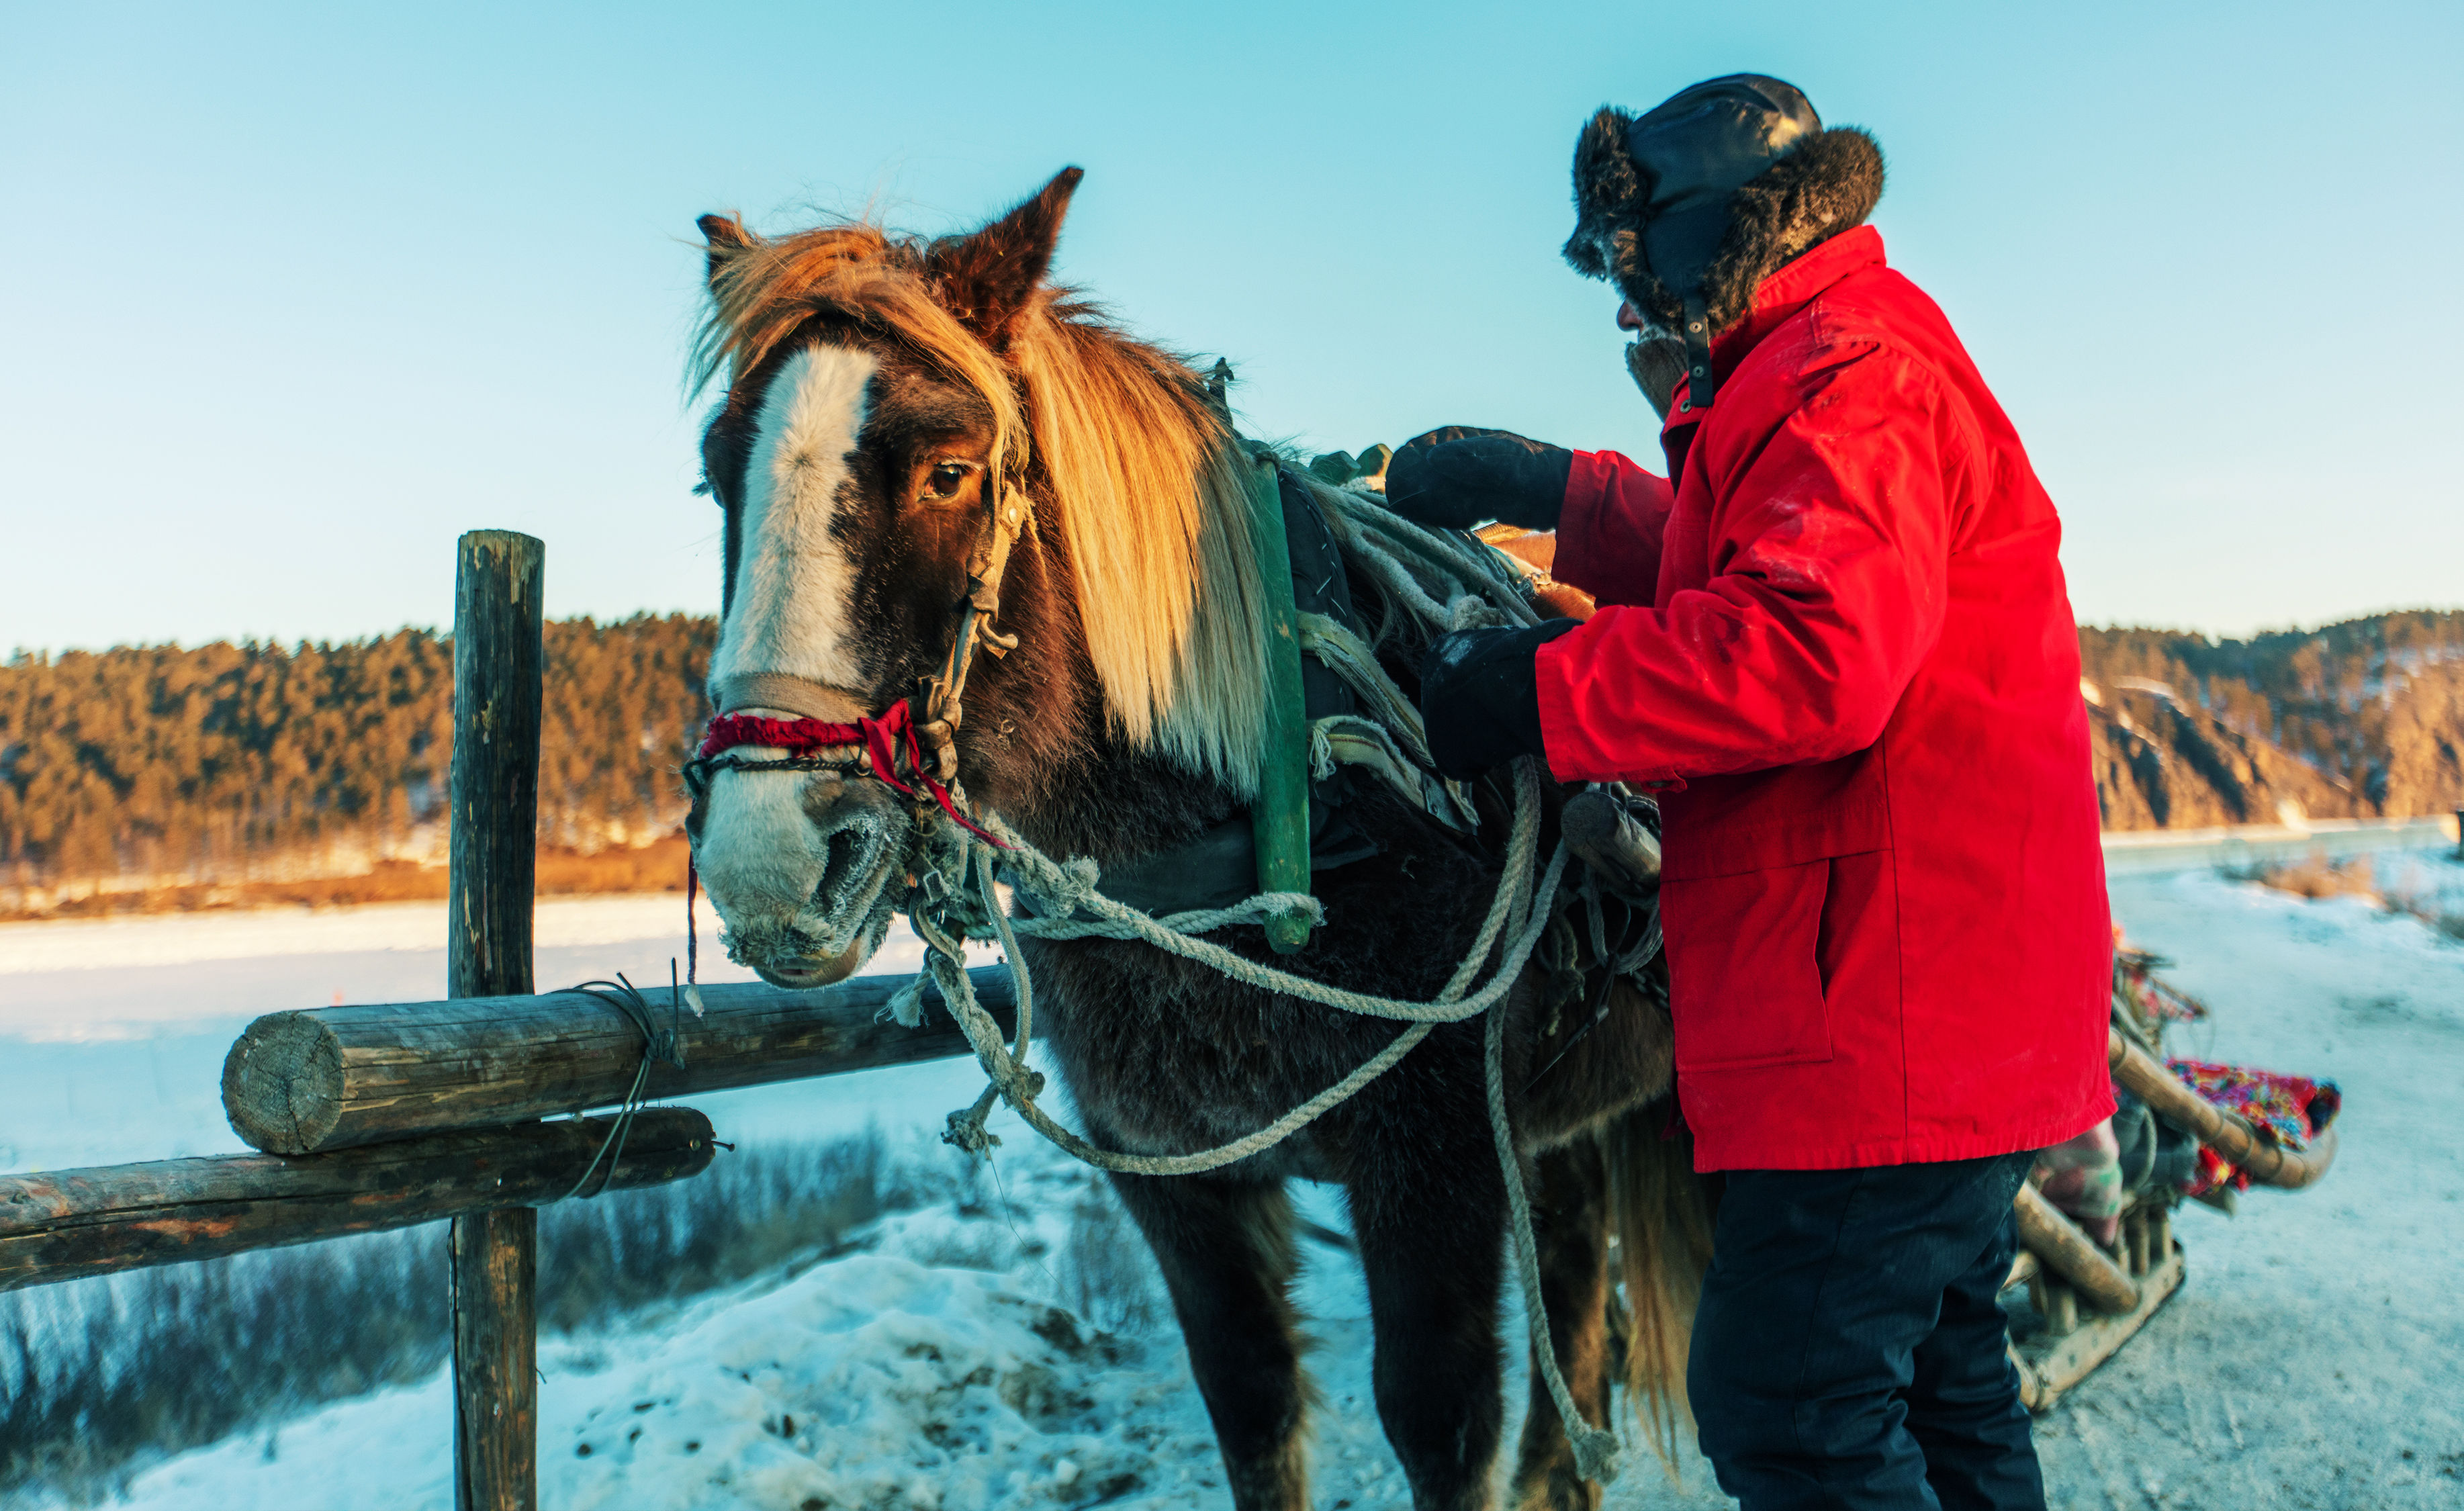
x,y
498,653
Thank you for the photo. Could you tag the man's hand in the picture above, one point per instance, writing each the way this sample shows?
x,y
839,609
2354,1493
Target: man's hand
x,y
1455,477
1479,696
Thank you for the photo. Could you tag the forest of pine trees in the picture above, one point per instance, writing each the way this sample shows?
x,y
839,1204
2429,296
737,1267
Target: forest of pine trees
x,y
156,766
152,767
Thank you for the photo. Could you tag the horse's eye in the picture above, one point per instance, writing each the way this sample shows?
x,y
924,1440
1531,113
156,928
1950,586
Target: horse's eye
x,y
945,480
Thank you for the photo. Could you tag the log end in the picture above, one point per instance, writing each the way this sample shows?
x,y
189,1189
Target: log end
x,y
282,1084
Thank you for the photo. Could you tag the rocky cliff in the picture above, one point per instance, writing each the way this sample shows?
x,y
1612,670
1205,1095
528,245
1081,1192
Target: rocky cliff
x,y
2359,719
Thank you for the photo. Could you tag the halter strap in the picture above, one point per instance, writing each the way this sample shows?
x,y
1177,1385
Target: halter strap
x,y
778,689
1007,515
883,737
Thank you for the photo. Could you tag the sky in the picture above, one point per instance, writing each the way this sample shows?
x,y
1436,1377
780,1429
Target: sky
x,y
290,296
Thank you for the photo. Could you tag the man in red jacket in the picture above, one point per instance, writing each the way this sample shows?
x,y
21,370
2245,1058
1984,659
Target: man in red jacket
x,y
1837,639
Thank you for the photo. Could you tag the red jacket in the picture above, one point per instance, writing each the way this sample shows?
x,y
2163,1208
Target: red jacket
x,y
1846,647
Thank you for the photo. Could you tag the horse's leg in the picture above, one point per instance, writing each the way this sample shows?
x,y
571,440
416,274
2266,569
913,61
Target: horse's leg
x,y
1570,1213
1225,1249
1428,1219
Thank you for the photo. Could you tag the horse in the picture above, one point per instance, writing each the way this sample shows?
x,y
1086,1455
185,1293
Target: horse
x,y
911,425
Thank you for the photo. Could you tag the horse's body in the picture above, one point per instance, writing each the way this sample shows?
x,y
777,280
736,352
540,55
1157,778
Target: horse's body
x,y
877,389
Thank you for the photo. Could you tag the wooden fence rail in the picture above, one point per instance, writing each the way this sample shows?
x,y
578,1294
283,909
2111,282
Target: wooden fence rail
x,y
64,1225
333,1078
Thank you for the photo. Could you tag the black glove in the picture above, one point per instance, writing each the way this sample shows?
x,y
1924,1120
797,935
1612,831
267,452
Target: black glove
x,y
1454,477
1479,696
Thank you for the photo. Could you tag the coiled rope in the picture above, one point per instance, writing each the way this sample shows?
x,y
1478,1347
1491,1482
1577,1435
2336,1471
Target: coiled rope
x,y
1070,907
663,1045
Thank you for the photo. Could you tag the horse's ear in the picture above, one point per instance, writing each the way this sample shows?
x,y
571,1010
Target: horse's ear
x,y
988,279
725,236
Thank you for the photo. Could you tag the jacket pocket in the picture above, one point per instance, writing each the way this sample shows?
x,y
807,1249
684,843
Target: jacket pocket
x,y
1746,967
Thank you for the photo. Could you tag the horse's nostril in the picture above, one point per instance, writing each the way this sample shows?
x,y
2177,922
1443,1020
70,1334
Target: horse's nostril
x,y
842,849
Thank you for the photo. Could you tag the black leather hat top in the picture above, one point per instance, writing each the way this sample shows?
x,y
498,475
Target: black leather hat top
x,y
1708,140
1698,148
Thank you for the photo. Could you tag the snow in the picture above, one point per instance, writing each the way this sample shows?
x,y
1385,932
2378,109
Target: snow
x,y
2311,1361
113,1032
2312,1357
2429,884
873,1381
932,1372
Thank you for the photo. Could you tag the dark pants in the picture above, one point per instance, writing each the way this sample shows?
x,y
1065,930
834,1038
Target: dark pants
x,y
1849,1352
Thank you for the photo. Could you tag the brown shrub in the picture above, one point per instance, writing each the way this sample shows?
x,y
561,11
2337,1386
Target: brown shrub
x,y
2316,876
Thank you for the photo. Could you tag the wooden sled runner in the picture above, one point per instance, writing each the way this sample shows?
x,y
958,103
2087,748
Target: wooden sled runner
x,y
2075,1301
2059,1337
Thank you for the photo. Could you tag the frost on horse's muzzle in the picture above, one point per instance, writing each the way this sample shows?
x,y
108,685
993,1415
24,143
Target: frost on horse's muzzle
x,y
800,865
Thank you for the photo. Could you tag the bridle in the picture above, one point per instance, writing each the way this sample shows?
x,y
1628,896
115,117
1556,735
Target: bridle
x,y
876,744
927,721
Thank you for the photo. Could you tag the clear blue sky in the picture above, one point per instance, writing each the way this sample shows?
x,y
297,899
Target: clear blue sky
x,y
290,295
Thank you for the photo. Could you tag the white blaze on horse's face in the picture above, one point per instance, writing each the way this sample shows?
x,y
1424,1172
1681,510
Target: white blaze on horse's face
x,y
796,864
792,612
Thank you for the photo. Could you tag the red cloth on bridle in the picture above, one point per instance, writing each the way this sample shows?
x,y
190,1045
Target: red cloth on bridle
x,y
882,737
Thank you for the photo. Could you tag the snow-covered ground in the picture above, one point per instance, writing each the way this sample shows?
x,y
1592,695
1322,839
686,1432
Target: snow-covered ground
x,y
2428,883
2316,1355
2312,1360
113,1032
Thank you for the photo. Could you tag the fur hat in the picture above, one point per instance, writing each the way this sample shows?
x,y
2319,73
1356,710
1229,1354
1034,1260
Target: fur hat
x,y
1690,206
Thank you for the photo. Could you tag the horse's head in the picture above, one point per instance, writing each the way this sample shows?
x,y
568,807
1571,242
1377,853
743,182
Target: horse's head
x,y
886,397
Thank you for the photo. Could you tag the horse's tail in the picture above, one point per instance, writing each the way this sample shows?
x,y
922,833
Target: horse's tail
x,y
1660,1210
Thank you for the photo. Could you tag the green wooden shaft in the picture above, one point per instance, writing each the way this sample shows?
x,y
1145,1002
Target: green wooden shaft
x,y
1281,815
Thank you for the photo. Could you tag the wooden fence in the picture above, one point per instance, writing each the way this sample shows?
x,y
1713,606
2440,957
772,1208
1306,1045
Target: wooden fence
x,y
377,1117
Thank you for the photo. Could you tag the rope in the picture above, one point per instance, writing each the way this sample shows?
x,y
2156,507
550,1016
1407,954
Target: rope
x,y
1518,902
1035,874
1067,907
1398,552
1349,657
666,1045
1595,1448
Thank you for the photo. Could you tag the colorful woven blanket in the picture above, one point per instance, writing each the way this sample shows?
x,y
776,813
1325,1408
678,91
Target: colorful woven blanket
x,y
2291,1110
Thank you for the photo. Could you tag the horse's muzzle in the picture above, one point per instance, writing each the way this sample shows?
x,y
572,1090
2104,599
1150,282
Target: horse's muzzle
x,y
799,865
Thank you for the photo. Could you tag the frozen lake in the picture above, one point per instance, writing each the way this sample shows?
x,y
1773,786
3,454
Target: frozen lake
x,y
113,1032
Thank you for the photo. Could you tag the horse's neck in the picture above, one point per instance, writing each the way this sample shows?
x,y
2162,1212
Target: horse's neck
x,y
1118,806
1052,765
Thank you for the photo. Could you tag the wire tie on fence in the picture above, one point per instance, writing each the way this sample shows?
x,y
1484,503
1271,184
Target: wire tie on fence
x,y
666,1045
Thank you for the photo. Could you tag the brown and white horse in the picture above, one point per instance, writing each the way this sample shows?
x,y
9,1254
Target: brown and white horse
x,y
877,388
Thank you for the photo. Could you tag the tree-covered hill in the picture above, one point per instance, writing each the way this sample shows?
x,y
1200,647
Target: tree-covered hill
x,y
154,766
154,770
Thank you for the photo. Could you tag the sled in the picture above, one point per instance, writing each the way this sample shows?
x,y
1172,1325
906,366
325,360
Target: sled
x,y
2073,1301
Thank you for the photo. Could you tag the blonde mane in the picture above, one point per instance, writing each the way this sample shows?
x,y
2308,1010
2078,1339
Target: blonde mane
x,y
1146,480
